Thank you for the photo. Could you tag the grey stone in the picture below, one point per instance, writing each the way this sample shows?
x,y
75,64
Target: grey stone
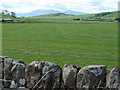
x,y
19,61
51,76
20,88
41,65
2,58
93,76
13,84
113,79
1,68
8,89
0,80
69,75
62,86
32,74
7,72
18,74
1,72
34,63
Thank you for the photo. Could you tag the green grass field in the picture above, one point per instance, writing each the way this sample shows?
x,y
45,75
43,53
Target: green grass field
x,y
92,40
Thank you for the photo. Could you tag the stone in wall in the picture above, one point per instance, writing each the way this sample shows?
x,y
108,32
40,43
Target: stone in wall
x,y
1,70
15,75
93,76
23,88
32,74
18,74
113,79
51,76
69,75
19,61
43,75
7,72
20,88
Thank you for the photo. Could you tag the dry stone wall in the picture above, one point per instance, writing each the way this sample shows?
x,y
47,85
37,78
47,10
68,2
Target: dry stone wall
x,y
44,75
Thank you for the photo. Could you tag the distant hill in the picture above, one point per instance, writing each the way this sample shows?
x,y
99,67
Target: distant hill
x,y
107,15
55,15
44,11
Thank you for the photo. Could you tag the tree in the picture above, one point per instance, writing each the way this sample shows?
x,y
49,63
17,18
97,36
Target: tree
x,y
7,12
13,14
117,19
3,20
3,12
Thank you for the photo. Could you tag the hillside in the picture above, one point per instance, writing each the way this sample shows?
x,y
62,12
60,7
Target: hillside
x,y
6,16
55,15
104,15
45,11
111,15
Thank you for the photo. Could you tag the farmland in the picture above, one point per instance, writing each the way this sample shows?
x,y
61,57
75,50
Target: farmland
x,y
62,39
105,16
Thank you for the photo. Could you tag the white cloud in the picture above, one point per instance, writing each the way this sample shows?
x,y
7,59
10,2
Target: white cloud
x,y
87,6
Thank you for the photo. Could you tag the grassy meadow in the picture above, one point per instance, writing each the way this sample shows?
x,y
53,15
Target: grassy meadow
x,y
92,40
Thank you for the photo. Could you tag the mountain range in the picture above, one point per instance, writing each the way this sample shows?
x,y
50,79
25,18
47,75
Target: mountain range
x,y
44,11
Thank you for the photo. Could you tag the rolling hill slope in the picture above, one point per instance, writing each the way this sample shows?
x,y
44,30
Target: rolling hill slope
x,y
6,16
55,15
105,15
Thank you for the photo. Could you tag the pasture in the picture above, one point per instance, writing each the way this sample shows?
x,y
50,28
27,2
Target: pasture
x,y
57,41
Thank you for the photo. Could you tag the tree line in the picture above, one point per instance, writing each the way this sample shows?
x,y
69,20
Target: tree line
x,y
7,13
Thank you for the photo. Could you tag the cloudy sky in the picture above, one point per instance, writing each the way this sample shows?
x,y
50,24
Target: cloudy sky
x,y
86,6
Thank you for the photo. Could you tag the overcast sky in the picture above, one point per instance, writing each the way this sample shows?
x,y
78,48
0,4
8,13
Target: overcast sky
x,y
86,6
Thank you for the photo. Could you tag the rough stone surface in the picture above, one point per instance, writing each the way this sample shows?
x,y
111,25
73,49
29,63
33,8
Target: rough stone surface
x,y
32,74
1,68
7,72
15,75
93,76
69,75
18,74
51,76
2,58
113,78
20,88
13,84
19,61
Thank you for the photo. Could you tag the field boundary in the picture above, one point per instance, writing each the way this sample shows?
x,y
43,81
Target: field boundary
x,y
62,55
17,75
